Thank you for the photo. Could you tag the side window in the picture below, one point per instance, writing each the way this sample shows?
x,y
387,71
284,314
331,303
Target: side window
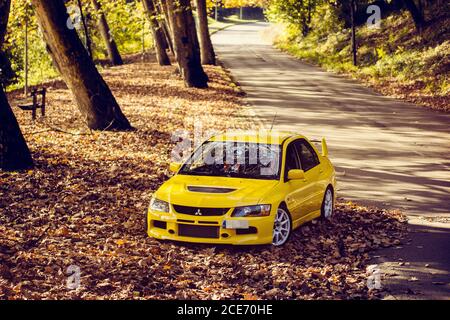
x,y
308,156
292,160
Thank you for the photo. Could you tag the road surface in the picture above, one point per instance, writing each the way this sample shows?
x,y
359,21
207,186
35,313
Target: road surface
x,y
387,153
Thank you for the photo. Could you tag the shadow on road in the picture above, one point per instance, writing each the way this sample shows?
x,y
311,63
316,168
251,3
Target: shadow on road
x,y
417,269
387,153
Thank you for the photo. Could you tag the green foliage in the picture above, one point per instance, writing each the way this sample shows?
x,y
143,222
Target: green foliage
x,y
297,14
393,53
238,3
126,20
325,21
40,65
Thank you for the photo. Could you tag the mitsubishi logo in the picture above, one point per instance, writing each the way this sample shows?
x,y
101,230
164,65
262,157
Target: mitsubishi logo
x,y
198,213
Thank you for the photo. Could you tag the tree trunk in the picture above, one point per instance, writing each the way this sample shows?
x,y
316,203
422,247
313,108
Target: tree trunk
x,y
157,32
305,28
5,6
185,43
166,32
417,16
85,29
216,11
165,10
207,50
165,24
14,152
111,46
352,16
93,96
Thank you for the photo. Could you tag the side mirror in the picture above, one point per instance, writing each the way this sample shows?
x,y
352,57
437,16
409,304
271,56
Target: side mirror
x,y
296,174
324,148
174,167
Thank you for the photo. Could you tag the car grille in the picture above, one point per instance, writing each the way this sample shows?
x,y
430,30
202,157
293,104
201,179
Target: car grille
x,y
188,230
204,212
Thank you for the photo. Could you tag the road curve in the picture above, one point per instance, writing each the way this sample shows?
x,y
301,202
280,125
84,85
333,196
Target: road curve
x,y
388,153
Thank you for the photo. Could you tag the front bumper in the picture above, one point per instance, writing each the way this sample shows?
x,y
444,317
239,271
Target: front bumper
x,y
170,226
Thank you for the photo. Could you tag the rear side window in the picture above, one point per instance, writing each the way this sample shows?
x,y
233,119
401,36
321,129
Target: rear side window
x,y
308,156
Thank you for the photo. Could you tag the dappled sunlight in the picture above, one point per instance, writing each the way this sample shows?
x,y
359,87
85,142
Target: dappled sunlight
x,y
385,151
419,258
84,205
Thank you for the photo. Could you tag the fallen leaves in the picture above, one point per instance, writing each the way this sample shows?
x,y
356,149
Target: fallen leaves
x,y
120,242
84,205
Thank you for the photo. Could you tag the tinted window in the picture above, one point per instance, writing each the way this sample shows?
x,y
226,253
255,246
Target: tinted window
x,y
308,156
235,159
292,161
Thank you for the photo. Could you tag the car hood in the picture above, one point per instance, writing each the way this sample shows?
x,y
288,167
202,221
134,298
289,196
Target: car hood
x,y
210,192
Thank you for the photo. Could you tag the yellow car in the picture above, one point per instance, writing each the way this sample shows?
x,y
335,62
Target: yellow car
x,y
244,188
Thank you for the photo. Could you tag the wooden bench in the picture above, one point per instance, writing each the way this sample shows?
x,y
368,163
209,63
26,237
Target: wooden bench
x,y
35,103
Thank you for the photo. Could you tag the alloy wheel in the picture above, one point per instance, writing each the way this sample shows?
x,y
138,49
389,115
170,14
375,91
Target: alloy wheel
x,y
327,207
281,228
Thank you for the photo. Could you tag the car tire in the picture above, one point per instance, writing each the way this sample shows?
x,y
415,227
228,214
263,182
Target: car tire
x,y
282,227
327,209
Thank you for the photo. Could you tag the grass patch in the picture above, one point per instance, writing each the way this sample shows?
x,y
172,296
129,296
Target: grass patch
x,y
393,59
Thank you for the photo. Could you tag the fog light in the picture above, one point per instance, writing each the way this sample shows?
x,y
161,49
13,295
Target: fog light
x,y
159,224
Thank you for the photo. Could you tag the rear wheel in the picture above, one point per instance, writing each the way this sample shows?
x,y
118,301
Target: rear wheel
x,y
281,228
328,204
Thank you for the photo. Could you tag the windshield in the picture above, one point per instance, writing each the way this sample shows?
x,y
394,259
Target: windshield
x,y
235,159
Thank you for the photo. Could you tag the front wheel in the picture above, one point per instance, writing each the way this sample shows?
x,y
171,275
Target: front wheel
x,y
281,228
328,205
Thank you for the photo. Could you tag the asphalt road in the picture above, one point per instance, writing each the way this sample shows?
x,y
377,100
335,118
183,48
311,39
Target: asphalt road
x,y
387,153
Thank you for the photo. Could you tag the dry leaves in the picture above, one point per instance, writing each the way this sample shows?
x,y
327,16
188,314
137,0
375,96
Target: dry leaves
x,y
84,205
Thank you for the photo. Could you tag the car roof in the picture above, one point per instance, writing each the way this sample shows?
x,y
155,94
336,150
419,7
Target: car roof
x,y
256,136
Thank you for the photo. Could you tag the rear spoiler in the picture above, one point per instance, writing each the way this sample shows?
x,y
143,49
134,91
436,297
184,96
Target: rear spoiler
x,y
324,146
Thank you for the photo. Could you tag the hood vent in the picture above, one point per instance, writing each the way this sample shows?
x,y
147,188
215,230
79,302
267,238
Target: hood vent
x,y
210,189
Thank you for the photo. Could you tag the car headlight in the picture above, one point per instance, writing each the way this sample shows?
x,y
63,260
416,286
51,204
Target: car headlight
x,y
252,211
159,205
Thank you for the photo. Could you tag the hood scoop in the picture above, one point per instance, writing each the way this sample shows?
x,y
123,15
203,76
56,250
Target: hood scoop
x,y
209,189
